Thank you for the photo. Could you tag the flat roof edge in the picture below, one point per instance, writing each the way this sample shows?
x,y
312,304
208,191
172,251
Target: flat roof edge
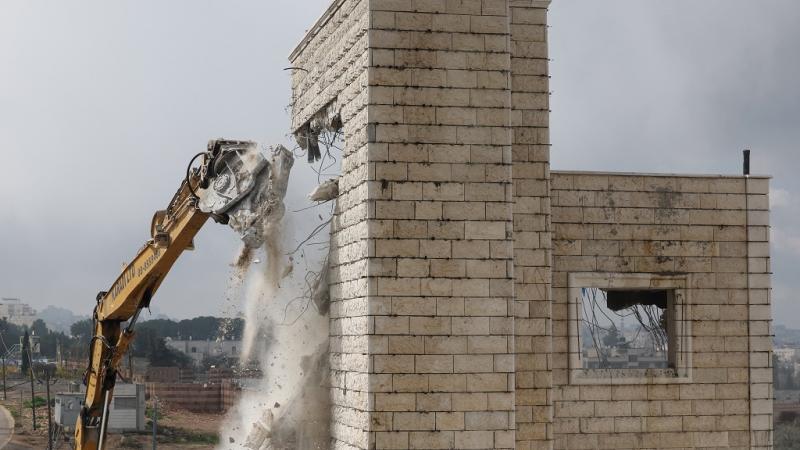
x,y
318,24
647,174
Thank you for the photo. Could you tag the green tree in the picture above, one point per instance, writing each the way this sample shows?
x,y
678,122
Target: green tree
x,y
48,340
77,346
161,327
231,329
148,344
39,328
150,337
26,352
82,330
612,338
199,328
10,334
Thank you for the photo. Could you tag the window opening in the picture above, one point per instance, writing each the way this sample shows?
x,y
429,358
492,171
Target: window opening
x,y
626,329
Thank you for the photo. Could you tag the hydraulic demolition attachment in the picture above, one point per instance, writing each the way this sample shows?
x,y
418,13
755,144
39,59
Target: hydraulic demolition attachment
x,y
233,183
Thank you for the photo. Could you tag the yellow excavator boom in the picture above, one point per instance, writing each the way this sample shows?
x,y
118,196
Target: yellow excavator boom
x,y
231,182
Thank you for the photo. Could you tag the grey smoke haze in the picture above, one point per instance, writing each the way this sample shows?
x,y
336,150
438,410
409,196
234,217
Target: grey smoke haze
x,y
102,104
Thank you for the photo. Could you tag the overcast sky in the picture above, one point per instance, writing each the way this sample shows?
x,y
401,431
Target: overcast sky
x,y
102,103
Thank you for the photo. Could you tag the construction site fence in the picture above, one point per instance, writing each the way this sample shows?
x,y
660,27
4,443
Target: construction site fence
x,y
195,397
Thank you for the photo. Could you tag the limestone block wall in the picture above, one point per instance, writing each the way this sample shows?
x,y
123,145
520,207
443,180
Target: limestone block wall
x,y
710,232
532,257
440,114
330,78
423,314
454,250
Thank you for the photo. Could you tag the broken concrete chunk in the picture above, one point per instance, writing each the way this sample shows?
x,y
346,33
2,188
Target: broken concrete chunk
x,y
265,207
328,190
261,434
248,189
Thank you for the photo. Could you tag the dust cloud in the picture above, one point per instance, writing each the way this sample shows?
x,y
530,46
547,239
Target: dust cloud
x,y
289,406
286,335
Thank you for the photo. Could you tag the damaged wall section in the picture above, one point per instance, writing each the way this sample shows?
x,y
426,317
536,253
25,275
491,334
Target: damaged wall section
x,y
329,85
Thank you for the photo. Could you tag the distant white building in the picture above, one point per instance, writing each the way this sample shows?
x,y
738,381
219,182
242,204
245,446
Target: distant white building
x,y
198,350
17,312
785,354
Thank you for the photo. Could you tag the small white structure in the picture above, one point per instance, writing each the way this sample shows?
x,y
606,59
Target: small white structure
x,y
197,350
67,408
127,408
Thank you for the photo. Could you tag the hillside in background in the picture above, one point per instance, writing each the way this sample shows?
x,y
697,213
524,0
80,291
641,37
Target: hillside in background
x,y
59,319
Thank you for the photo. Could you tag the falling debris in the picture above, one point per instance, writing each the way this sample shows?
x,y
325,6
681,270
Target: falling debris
x,y
304,425
326,191
248,193
290,407
288,269
261,435
262,212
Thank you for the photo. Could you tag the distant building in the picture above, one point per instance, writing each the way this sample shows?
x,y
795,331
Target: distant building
x,y
785,354
626,359
198,350
17,312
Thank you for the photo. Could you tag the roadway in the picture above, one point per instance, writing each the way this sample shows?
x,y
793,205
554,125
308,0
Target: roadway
x,y
6,427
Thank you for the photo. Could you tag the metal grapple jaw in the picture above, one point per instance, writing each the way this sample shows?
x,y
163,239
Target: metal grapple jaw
x,y
229,174
240,187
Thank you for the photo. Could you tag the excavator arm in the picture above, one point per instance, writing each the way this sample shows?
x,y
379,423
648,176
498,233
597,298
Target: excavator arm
x,y
232,183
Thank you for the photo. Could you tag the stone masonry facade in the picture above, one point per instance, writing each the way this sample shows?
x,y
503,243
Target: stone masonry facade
x,y
711,232
456,253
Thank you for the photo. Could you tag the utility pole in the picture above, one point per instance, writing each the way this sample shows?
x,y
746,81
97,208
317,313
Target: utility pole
x,y
130,365
4,378
33,393
155,420
58,354
49,412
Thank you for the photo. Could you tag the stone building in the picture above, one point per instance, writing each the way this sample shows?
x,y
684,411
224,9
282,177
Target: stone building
x,y
470,283
17,312
198,350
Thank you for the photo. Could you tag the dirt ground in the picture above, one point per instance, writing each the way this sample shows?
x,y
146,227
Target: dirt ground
x,y
17,402
177,429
